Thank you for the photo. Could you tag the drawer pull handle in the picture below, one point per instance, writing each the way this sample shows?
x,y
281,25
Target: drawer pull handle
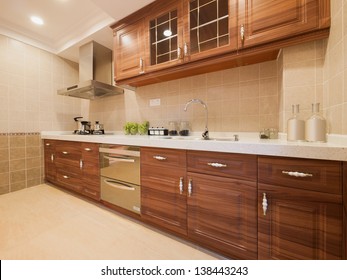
x,y
52,157
66,177
65,153
160,158
297,174
181,185
190,187
87,149
185,49
48,144
216,164
264,204
242,33
81,164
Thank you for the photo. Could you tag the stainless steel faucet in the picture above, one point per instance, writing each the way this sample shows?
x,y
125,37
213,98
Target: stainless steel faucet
x,y
205,135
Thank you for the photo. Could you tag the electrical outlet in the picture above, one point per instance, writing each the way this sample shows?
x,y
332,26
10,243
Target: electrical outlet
x,y
154,102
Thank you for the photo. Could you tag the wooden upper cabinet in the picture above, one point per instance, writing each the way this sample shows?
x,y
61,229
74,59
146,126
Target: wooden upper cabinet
x,y
183,31
129,50
210,28
163,36
263,21
203,36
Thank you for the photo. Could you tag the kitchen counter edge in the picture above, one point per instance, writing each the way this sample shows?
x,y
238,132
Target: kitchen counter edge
x,y
334,149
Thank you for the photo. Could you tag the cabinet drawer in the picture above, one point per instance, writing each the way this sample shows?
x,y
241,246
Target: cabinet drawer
x,y
223,164
90,150
315,175
68,153
69,177
163,157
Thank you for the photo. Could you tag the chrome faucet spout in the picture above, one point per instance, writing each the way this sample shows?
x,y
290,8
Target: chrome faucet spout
x,y
205,134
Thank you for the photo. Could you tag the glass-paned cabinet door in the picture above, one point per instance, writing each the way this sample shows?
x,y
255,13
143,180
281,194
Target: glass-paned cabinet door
x,y
163,38
212,26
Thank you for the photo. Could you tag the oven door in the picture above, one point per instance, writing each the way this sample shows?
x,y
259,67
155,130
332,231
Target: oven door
x,y
121,163
122,194
120,176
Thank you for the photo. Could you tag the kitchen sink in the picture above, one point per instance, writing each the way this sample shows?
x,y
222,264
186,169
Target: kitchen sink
x,y
235,138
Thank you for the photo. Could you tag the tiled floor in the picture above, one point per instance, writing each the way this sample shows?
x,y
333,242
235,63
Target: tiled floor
x,y
43,222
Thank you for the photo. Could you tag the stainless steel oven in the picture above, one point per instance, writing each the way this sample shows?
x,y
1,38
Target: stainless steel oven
x,y
120,176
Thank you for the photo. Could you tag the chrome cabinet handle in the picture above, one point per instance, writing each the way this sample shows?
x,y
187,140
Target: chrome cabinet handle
x,y
216,164
66,177
297,174
264,204
52,157
87,149
190,187
48,144
160,158
81,164
181,185
65,153
141,66
185,49
242,33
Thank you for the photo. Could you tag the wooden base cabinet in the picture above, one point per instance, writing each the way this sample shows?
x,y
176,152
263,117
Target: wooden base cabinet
x,y
222,215
74,166
49,156
300,210
213,204
163,196
222,202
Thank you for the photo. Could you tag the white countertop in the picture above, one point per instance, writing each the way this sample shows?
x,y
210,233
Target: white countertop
x,y
249,143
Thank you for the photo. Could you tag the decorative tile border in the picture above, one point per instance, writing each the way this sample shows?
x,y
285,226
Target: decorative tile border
x,y
20,134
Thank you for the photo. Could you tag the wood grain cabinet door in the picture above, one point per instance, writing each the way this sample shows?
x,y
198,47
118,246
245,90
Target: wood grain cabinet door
x,y
263,21
49,160
210,28
129,50
163,188
298,224
222,214
162,201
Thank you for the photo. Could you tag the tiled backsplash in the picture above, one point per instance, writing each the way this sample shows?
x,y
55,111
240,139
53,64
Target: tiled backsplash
x,y
238,99
20,161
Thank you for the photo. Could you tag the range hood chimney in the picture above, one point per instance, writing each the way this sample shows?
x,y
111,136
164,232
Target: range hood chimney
x,y
95,74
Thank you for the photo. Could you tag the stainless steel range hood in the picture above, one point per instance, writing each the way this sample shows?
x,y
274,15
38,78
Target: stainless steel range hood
x,y
95,74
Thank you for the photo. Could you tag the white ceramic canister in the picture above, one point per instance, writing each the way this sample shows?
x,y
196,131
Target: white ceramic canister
x,y
295,126
315,130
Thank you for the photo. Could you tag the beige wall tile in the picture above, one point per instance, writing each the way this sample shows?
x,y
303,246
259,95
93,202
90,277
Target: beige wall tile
x,y
17,141
4,154
4,166
33,140
33,152
249,73
16,165
17,176
17,153
33,173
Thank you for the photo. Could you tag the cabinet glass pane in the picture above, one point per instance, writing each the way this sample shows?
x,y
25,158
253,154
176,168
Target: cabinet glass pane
x,y
163,38
209,24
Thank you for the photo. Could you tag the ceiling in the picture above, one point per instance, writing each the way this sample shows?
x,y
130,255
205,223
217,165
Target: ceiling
x,y
67,23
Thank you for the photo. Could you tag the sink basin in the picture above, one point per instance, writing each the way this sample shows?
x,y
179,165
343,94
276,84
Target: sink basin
x,y
231,139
